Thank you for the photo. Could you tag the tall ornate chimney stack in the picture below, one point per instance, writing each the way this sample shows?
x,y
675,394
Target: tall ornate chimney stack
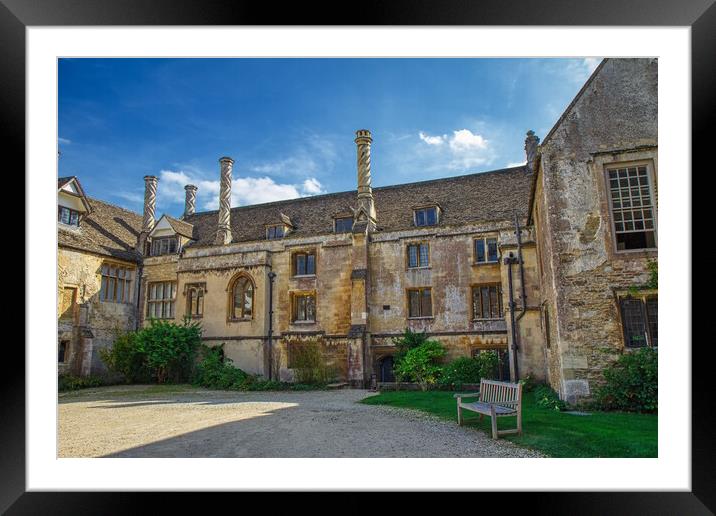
x,y
366,204
190,200
150,202
531,147
223,234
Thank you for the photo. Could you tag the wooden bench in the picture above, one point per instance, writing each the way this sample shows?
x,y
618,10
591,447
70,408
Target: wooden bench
x,y
495,399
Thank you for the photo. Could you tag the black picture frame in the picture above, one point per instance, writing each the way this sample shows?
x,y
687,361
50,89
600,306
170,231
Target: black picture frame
x,y
17,15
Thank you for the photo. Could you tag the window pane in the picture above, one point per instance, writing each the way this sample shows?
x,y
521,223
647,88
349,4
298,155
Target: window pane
x,y
172,245
300,264
310,308
414,303
171,309
200,303
103,289
475,303
493,303
159,291
424,255
311,264
192,302
492,249
480,250
248,300
432,217
74,218
65,215
634,323
485,293
426,307
653,317
111,296
412,256
420,217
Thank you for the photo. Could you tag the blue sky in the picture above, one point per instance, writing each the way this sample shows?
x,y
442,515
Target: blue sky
x,y
289,124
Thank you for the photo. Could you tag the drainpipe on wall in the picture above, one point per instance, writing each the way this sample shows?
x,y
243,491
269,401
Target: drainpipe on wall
x,y
509,260
271,277
518,232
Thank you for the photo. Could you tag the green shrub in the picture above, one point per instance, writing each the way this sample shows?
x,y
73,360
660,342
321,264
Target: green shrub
x,y
169,348
528,383
124,357
163,351
216,372
309,364
407,341
547,398
631,383
421,364
460,371
471,370
68,382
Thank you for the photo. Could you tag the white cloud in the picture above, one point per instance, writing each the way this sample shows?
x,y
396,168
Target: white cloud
x,y
432,140
465,141
516,164
64,141
244,190
463,151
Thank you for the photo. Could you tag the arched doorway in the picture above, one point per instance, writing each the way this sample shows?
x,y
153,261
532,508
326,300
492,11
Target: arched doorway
x,y
385,369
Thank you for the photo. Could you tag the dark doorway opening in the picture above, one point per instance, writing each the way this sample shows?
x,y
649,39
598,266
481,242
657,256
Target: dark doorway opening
x,y
385,370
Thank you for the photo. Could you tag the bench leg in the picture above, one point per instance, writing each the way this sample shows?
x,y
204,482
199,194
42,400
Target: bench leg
x,y
519,421
493,416
459,413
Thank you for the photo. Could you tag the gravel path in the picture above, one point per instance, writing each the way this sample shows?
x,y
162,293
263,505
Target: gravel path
x,y
129,422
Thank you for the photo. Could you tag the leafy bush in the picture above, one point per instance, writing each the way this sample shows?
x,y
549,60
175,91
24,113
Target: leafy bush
x,y
164,351
631,383
169,348
407,341
216,372
309,364
421,364
124,357
68,382
471,370
547,398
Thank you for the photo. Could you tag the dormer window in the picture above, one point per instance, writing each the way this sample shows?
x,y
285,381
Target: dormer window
x,y
275,232
164,245
426,216
68,216
344,224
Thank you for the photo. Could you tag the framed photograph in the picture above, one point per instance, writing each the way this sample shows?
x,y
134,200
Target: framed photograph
x,y
416,249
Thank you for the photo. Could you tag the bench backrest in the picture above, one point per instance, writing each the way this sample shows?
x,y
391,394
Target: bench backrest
x,y
500,393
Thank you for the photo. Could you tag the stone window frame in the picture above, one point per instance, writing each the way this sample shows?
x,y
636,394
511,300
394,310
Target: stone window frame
x,y
643,296
485,238
407,303
304,251
199,288
500,304
651,179
343,217
129,277
599,164
170,301
230,297
416,209
293,298
417,243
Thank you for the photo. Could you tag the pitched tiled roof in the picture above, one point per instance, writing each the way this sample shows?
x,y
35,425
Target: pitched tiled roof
x,y
487,196
108,230
180,227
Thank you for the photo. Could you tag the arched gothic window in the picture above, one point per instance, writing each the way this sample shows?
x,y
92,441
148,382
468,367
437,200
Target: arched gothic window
x,y
195,300
241,303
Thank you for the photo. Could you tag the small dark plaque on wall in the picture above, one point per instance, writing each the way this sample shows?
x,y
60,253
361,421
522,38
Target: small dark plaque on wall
x,y
386,307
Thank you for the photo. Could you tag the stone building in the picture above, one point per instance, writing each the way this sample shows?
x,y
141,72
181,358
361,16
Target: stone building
x,y
528,260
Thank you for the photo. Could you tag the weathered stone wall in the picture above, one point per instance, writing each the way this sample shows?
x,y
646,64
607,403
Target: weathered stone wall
x,y
613,121
94,324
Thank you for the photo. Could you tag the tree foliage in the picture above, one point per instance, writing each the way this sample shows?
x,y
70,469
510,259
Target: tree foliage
x,y
631,383
421,364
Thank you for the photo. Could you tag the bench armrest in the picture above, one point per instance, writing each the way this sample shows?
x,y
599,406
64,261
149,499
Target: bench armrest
x,y
467,395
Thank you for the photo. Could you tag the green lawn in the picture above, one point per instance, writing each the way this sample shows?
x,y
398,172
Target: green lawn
x,y
557,434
